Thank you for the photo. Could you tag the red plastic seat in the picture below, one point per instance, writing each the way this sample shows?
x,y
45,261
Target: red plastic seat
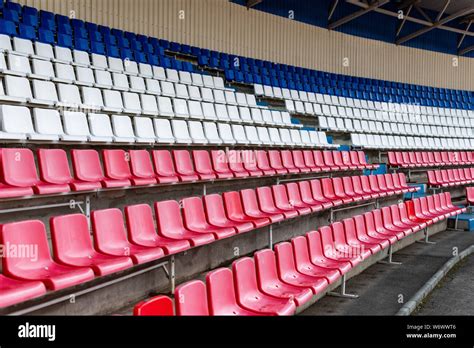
x,y
470,195
236,164
349,189
361,233
191,299
203,165
344,247
351,238
307,196
20,177
381,228
142,167
117,169
296,200
318,194
267,203
160,306
171,225
235,210
263,163
216,215
328,191
403,182
391,184
72,246
329,161
304,265
382,184
374,186
270,284
337,158
363,161
282,201
289,274
276,162
87,167
356,160
250,297
404,218
142,231
13,291
344,158
37,264
221,294
332,252
252,209
340,192
357,188
54,169
220,164
110,238
373,231
399,222
309,161
184,166
249,161
195,219
287,162
164,167
366,187
317,256
392,159
299,161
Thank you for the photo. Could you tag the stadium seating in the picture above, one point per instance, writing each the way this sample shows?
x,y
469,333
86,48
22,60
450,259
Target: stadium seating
x,y
451,177
429,159
277,282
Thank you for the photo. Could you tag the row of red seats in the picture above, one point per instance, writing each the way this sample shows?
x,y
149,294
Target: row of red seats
x,y
430,159
277,282
201,221
19,177
451,177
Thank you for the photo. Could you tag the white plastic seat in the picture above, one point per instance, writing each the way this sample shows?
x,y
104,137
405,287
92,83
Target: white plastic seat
x,y
145,70
69,95
195,109
296,137
267,117
277,93
5,43
44,51
241,99
76,127
64,73
264,136
42,69
305,137
131,103
211,133
44,92
137,84
257,116
163,131
130,67
120,81
239,134
285,136
197,79
185,77
207,95
23,46
181,91
181,131
197,132
219,96
290,106
17,89
18,65
230,98
123,129
225,133
180,108
245,114
113,101
100,128
92,98
165,108
159,73
258,89
252,135
103,79
115,64
277,118
208,81
63,54
48,124
153,86
233,112
81,58
286,93
268,91
167,89
149,104
194,93
218,82
275,136
99,61
144,131
15,122
251,101
172,75
222,112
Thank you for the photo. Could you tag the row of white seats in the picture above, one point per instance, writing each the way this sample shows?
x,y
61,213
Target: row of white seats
x,y
39,50
58,72
17,123
285,93
364,126
381,142
315,109
40,92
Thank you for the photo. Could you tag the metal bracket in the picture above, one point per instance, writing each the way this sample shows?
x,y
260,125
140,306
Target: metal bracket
x,y
342,292
390,258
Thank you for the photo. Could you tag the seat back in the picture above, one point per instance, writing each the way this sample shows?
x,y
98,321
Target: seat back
x,y
54,166
70,237
266,267
87,166
116,164
275,159
157,306
163,163
191,299
193,213
220,161
285,258
168,218
183,162
287,160
18,167
140,163
202,162
109,231
245,278
140,225
221,292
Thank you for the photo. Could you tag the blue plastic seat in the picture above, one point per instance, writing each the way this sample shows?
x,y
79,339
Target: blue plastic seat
x,y
11,15
46,36
81,44
64,28
153,59
97,48
112,51
31,20
12,6
7,27
95,36
27,32
80,32
65,41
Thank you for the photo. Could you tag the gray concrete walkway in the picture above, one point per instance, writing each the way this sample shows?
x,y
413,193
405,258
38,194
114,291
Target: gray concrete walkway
x,y
382,287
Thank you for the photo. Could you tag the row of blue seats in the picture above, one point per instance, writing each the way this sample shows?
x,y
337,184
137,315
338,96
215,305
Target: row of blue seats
x,y
86,36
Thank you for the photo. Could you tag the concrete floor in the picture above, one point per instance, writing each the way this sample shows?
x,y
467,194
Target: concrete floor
x,y
453,294
384,288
